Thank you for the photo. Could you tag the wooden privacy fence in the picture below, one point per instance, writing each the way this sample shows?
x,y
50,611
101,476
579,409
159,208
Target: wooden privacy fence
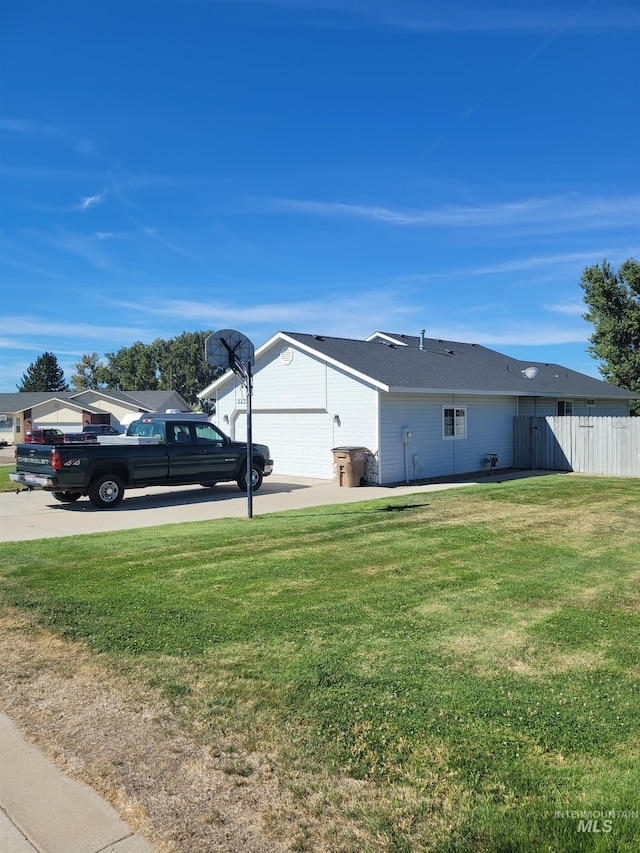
x,y
589,445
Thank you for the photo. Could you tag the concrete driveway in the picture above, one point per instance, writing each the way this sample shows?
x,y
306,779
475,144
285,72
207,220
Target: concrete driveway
x,y
38,515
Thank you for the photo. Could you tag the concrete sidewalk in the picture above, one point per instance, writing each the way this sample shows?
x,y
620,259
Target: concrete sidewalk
x,y
43,810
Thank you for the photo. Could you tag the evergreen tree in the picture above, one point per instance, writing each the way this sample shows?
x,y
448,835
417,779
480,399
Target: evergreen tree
x,y
44,374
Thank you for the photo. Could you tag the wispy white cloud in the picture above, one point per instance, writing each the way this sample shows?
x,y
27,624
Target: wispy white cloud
x,y
54,131
571,309
569,212
459,16
512,334
380,310
222,314
91,201
155,235
86,246
27,326
111,235
570,260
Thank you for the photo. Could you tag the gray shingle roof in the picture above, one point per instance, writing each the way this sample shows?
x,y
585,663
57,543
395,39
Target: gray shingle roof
x,y
452,366
150,401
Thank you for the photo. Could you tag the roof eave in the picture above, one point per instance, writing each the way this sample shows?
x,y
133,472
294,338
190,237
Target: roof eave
x,y
282,337
497,392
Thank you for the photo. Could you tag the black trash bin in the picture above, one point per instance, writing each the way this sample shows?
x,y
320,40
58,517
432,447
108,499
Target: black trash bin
x,y
350,462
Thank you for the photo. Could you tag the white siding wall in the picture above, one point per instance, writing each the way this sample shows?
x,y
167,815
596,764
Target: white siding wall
x,y
356,406
308,391
428,454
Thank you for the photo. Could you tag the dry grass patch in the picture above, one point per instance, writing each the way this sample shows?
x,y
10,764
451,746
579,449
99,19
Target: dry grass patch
x,y
125,741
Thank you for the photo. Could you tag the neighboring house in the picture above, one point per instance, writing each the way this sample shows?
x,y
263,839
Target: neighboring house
x,y
71,410
313,393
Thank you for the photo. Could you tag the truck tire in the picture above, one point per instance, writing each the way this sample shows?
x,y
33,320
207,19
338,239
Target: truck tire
x,y
106,491
257,478
67,497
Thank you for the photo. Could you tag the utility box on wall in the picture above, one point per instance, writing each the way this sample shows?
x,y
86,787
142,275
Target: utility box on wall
x,y
349,463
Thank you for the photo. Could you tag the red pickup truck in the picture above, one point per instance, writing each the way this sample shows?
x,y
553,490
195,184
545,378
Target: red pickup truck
x,y
44,436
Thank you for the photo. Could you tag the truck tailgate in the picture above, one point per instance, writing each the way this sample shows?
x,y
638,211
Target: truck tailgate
x,y
33,462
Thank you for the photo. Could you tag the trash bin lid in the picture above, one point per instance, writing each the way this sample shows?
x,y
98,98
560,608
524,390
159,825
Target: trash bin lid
x,y
346,449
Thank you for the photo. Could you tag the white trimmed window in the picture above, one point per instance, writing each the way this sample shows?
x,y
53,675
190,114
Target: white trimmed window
x,y
564,407
454,422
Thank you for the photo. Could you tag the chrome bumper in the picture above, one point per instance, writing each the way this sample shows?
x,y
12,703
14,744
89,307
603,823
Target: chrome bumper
x,y
26,478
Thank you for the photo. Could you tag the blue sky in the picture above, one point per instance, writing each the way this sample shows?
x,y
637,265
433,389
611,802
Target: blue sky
x,y
327,166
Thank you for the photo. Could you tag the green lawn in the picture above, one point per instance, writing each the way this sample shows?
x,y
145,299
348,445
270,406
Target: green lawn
x,y
5,483
471,656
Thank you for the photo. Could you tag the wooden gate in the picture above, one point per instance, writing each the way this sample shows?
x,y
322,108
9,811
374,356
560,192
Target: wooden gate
x,y
589,445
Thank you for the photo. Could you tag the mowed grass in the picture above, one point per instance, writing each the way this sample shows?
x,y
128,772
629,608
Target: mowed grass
x,y
6,485
452,671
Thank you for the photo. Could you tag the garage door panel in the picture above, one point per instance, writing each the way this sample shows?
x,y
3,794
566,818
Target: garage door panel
x,y
300,442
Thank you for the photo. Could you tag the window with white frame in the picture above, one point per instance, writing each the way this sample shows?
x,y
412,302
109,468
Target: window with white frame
x,y
454,422
564,407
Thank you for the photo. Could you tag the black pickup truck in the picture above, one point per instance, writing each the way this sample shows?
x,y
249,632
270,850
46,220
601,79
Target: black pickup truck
x,y
157,450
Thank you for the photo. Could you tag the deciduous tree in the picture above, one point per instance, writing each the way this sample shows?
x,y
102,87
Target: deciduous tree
x,y
613,300
182,366
176,364
132,368
90,373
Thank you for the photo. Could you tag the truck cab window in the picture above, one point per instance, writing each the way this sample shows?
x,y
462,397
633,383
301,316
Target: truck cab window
x,y
181,434
206,433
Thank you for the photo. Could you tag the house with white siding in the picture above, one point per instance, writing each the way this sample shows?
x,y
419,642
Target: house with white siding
x,y
420,407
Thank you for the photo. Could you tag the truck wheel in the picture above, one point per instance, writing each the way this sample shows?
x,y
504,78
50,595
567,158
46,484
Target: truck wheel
x,y
257,478
67,497
106,491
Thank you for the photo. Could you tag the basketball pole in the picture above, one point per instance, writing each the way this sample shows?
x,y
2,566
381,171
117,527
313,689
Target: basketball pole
x,y
249,443
231,350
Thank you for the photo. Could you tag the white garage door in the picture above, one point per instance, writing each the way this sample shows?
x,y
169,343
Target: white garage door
x,y
300,442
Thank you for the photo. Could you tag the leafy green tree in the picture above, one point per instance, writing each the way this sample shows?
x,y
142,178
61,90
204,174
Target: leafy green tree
x,y
44,374
132,368
176,364
182,366
91,373
613,300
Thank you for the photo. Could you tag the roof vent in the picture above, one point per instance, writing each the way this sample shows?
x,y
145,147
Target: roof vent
x,y
422,331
